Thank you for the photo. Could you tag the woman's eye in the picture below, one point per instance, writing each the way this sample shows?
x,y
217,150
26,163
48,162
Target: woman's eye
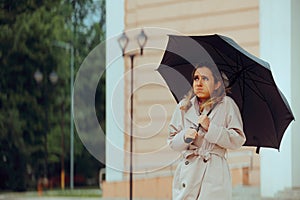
x,y
205,78
196,78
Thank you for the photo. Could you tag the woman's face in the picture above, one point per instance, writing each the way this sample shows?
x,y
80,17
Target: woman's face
x,y
204,83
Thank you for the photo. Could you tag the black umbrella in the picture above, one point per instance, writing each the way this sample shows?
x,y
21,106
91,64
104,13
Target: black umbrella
x,y
265,111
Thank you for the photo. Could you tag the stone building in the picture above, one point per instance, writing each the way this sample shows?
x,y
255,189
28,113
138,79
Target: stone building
x,y
264,28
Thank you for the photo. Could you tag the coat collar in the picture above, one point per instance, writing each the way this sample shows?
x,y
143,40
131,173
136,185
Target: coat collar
x,y
193,113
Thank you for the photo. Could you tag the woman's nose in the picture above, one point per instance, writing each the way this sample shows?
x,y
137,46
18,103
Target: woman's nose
x,y
199,82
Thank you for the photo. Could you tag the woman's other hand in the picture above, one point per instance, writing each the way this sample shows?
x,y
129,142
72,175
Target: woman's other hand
x,y
204,121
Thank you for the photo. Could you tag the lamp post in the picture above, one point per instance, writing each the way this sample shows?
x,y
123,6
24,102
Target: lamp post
x,y
38,76
70,48
123,42
62,142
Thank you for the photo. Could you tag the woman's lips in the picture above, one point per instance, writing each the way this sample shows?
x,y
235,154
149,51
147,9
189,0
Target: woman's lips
x,y
199,89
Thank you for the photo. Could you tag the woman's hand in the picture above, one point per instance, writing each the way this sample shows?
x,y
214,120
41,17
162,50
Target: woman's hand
x,y
190,135
204,121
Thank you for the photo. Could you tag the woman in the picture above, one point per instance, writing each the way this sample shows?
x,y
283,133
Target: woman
x,y
203,173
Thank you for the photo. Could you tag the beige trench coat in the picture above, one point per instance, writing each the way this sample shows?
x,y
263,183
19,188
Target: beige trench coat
x,y
203,172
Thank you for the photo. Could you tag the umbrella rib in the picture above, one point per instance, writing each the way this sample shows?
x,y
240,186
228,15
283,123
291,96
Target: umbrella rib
x,y
255,84
262,81
228,72
248,77
248,70
244,82
262,97
255,91
258,75
241,64
243,95
258,81
221,55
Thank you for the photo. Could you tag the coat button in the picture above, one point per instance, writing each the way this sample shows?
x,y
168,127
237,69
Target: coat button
x,y
186,162
204,160
183,185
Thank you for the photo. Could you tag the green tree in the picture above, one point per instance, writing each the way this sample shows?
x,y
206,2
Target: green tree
x,y
88,30
27,29
33,116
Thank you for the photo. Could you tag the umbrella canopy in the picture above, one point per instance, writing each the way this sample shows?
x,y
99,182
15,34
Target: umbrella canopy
x,y
264,109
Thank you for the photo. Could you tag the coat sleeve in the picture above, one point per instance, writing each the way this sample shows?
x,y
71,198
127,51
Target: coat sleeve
x,y
177,131
232,135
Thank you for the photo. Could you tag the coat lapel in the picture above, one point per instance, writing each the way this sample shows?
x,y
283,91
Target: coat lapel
x,y
215,109
192,114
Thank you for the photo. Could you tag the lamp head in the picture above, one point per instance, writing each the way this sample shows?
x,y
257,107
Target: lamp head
x,y
123,42
142,40
38,76
53,77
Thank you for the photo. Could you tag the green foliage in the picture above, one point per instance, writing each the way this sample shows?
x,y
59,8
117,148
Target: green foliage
x,y
34,117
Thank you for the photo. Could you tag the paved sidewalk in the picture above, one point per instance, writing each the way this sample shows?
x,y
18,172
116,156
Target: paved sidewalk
x,y
2,197
253,193
246,193
239,193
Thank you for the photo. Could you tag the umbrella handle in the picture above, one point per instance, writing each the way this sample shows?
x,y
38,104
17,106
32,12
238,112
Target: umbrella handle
x,y
198,128
199,125
188,140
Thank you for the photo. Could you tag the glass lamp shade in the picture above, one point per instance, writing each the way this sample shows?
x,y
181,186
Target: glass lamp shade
x,y
142,40
38,76
123,42
53,77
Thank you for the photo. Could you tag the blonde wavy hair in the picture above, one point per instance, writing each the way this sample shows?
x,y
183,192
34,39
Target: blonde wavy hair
x,y
216,96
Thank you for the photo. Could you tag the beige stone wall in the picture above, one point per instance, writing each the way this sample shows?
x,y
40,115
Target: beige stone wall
x,y
234,18
238,19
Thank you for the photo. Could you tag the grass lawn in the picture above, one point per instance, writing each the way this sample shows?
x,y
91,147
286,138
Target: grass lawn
x,y
74,193
77,192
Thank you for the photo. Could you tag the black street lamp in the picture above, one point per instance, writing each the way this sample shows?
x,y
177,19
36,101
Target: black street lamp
x,y
123,42
38,76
